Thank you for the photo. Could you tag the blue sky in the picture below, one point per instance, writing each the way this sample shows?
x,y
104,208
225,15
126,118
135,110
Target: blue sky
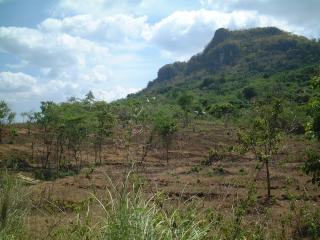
x,y
54,49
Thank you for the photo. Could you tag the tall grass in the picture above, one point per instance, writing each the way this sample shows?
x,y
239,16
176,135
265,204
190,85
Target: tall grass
x,y
12,208
129,214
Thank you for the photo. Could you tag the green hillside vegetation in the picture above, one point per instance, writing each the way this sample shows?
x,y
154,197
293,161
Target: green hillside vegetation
x,y
239,67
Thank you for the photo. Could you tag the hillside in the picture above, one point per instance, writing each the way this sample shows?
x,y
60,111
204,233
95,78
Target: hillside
x,y
268,61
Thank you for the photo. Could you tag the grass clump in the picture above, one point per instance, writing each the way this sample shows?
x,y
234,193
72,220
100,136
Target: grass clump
x,y
127,213
12,208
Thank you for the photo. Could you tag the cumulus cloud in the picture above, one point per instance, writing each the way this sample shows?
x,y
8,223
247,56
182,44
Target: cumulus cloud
x,y
96,7
69,65
304,15
117,28
178,35
187,32
48,49
16,82
116,93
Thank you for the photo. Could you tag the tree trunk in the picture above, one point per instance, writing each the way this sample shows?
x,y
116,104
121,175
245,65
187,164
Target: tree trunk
x,y
167,154
268,178
0,134
100,150
95,155
186,119
147,147
32,151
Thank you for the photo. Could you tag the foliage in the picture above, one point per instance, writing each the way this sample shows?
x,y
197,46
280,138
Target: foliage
x,y
249,92
312,166
306,221
103,127
165,126
6,117
313,125
215,155
67,130
263,136
185,101
220,110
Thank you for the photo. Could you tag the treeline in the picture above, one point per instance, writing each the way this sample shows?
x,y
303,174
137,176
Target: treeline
x,y
66,129
67,136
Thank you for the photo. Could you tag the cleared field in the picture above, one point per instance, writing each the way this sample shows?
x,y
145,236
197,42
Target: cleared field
x,y
219,187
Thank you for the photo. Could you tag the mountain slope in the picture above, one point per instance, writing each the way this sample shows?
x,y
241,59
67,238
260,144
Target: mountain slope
x,y
264,59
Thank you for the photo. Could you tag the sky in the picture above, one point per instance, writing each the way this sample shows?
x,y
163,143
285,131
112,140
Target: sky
x,y
51,50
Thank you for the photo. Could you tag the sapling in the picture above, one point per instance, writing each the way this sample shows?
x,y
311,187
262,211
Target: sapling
x,y
263,136
185,101
165,127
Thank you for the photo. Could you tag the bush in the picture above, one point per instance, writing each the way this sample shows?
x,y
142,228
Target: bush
x,y
307,223
249,92
312,166
213,156
52,174
220,110
17,160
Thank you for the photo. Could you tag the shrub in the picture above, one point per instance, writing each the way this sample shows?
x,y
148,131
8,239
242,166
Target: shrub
x,y
307,223
249,92
220,110
213,156
17,160
312,166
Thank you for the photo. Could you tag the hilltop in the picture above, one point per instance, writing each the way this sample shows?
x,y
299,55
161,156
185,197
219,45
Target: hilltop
x,y
267,61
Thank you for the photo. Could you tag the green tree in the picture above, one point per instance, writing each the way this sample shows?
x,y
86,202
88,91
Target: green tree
x,y
103,126
165,126
89,98
45,119
185,101
6,117
221,110
263,136
312,164
249,92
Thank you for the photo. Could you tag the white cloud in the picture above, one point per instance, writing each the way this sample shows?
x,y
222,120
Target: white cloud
x,y
48,49
16,82
59,55
303,15
117,28
116,93
178,35
96,7
187,32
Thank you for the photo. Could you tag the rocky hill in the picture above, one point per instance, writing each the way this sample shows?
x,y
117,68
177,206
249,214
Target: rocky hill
x,y
263,59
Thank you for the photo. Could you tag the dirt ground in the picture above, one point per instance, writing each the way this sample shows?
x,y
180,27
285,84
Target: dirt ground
x,y
218,186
